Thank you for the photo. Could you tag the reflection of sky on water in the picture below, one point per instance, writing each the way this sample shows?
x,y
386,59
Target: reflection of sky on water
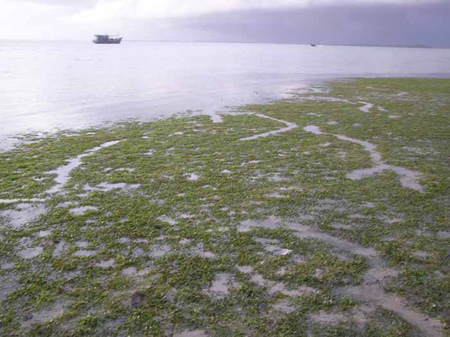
x,y
45,85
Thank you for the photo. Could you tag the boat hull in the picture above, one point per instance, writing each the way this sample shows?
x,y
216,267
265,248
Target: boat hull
x,y
110,41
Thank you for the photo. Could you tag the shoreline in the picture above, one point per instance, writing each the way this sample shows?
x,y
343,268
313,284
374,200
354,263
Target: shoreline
x,y
9,139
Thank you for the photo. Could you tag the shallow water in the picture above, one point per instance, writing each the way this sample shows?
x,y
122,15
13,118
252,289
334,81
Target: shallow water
x,y
245,269
289,126
107,187
408,178
444,235
283,306
328,318
193,333
8,283
159,250
370,289
60,248
275,287
106,264
23,214
278,250
82,210
221,284
16,201
44,234
8,265
85,253
129,271
192,177
167,219
30,253
63,172
62,84
199,250
366,107
305,232
376,294
48,313
81,244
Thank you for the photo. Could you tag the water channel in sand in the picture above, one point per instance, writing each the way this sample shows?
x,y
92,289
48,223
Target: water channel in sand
x,y
63,172
289,127
408,178
371,289
27,210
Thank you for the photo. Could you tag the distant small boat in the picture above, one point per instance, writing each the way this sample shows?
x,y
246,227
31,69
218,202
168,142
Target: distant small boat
x,y
107,39
313,45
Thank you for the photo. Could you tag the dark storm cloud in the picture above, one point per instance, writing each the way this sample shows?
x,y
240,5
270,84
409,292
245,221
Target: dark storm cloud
x,y
365,24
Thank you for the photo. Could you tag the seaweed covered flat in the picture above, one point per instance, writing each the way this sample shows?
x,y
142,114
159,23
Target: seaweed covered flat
x,y
327,214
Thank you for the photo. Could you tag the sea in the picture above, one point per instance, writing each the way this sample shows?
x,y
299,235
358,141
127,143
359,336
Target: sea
x,y
53,85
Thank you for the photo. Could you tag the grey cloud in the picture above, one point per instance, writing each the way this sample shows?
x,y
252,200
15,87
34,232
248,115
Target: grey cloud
x,y
367,24
75,4
358,22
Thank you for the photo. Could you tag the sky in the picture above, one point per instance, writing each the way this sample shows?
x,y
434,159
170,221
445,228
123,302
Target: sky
x,y
372,22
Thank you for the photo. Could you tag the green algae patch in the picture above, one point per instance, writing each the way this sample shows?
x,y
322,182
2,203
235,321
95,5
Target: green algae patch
x,y
323,215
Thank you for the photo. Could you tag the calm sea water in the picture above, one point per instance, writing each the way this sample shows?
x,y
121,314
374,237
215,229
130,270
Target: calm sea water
x,y
48,85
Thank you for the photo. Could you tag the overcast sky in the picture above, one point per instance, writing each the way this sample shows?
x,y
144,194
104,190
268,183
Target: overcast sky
x,y
378,22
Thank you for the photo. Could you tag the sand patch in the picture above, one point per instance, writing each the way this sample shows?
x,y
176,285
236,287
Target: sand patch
x,y
129,271
44,234
60,248
194,333
8,265
49,313
82,210
327,318
366,107
275,196
81,244
421,254
192,176
221,284
444,235
30,253
105,264
167,219
245,269
83,253
8,284
23,214
107,187
159,250
275,250
199,250
283,306
275,287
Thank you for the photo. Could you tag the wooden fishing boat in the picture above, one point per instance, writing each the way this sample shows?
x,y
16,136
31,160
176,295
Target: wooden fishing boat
x,y
107,39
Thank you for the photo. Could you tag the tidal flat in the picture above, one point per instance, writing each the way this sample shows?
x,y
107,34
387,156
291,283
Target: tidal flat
x,y
326,214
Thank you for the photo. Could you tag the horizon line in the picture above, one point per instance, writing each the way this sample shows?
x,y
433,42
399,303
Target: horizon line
x,y
415,46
